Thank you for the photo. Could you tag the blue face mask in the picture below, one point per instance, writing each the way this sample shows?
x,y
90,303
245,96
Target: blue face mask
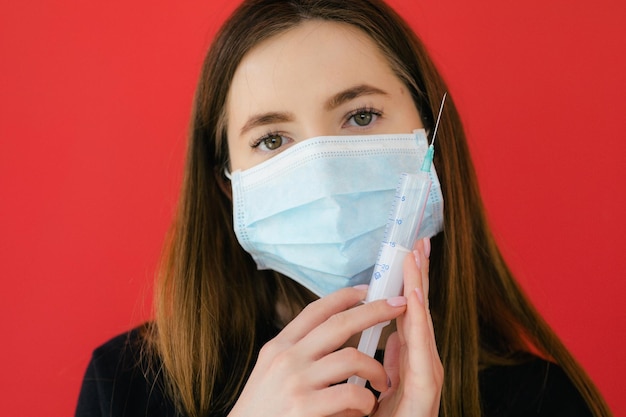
x,y
316,212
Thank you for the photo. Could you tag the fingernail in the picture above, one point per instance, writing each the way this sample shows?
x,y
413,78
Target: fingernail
x,y
427,247
420,295
361,287
418,262
396,301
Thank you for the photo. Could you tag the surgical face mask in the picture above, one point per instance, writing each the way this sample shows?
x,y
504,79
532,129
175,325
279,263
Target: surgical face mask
x,y
317,211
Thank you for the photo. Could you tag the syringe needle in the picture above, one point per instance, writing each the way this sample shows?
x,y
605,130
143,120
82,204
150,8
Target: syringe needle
x,y
443,101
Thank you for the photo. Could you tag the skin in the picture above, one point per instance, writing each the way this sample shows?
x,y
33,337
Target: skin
x,y
285,88
320,79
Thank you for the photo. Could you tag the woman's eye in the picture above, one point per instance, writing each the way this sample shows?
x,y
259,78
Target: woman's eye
x,y
363,117
270,142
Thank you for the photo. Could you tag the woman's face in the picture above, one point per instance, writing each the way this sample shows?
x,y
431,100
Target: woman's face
x,y
318,79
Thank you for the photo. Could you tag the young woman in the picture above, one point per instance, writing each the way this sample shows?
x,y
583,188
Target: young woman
x,y
289,92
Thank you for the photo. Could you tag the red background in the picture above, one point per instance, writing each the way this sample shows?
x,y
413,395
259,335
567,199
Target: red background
x,y
95,98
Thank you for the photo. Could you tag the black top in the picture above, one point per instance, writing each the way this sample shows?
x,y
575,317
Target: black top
x,y
116,384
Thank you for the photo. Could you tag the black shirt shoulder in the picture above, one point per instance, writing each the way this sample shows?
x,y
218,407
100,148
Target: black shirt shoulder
x,y
534,388
121,381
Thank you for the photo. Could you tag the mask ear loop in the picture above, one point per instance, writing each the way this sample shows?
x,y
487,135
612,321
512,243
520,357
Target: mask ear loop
x,y
225,185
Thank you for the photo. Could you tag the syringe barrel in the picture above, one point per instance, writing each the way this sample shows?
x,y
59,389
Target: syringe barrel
x,y
408,212
402,228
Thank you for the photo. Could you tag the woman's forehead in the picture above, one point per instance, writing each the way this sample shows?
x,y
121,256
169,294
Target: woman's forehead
x,y
312,60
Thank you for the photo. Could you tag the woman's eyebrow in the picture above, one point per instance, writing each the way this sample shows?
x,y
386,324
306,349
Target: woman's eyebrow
x,y
352,93
335,101
266,119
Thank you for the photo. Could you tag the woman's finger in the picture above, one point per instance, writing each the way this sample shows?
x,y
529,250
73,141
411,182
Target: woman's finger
x,y
411,280
319,311
342,364
340,399
425,266
423,253
332,334
423,360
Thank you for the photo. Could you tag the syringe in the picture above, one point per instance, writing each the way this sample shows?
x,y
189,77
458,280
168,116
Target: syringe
x,y
400,233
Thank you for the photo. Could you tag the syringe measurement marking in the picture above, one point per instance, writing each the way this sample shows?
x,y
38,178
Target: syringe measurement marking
x,y
388,253
380,269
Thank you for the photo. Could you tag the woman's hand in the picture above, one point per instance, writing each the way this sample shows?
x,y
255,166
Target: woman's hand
x,y
411,358
298,373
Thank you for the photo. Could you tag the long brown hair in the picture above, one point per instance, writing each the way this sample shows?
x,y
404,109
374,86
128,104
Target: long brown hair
x,y
212,304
